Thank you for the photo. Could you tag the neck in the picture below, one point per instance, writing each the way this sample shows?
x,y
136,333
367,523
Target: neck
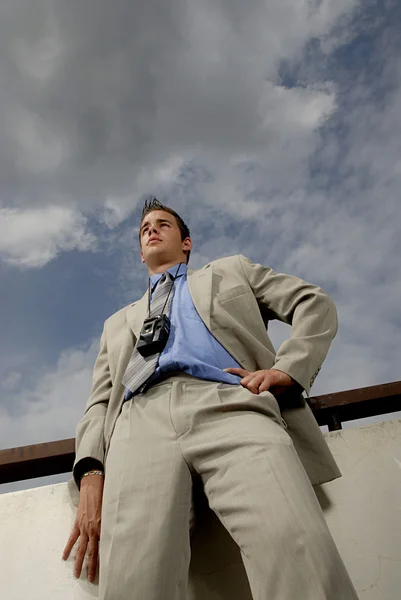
x,y
162,268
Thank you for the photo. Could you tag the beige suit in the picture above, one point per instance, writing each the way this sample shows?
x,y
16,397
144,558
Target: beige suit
x,y
235,298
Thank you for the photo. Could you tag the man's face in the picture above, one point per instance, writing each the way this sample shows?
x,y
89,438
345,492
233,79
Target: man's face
x,y
161,239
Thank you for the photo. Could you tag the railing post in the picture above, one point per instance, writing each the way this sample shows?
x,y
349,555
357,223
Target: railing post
x,y
334,422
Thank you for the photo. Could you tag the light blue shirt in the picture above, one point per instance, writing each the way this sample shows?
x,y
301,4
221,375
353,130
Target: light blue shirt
x,y
191,347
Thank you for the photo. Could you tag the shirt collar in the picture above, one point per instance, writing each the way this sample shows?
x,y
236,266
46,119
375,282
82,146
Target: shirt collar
x,y
172,270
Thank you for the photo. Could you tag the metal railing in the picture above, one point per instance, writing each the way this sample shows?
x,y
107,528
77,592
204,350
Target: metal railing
x,y
52,458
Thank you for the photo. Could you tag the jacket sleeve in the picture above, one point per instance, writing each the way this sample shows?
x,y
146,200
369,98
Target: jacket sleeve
x,y
307,308
89,441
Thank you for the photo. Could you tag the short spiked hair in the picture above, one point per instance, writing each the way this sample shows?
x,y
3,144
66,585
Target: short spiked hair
x,y
153,204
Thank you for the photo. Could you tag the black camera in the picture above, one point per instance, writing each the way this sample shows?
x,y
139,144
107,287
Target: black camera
x,y
154,335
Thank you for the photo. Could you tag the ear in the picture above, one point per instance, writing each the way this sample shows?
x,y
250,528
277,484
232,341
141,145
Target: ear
x,y
142,258
187,244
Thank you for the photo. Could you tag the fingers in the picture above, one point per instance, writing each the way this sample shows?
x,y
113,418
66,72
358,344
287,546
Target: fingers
x,y
86,544
264,379
237,371
265,385
92,558
71,541
254,381
79,558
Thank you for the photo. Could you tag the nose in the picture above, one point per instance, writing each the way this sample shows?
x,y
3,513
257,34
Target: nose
x,y
153,230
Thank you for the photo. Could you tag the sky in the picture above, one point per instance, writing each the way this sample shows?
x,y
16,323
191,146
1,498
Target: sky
x,y
272,127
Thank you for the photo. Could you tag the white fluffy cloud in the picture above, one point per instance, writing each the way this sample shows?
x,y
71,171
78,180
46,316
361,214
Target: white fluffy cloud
x,y
31,237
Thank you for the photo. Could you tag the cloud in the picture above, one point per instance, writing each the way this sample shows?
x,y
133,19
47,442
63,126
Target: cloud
x,y
32,237
100,109
48,403
116,209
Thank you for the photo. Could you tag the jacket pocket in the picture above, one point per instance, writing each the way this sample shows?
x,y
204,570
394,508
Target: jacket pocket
x,y
237,290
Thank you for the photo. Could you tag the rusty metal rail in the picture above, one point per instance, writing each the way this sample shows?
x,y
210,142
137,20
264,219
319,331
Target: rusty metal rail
x,y
51,458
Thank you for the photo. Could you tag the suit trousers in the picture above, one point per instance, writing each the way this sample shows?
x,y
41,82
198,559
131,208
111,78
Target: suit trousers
x,y
236,443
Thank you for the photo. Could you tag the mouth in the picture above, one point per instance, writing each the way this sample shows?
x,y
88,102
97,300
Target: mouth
x,y
154,240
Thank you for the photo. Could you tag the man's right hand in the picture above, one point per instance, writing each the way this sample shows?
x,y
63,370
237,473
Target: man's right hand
x,y
87,525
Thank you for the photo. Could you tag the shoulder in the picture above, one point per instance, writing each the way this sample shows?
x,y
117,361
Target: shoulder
x,y
119,317
226,272
235,264
227,262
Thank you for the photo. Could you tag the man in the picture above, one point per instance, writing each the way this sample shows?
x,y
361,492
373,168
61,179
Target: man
x,y
214,403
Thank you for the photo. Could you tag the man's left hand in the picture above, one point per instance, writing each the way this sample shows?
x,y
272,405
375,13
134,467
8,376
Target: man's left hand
x,y
263,380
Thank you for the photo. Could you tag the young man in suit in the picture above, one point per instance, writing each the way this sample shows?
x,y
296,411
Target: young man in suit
x,y
214,402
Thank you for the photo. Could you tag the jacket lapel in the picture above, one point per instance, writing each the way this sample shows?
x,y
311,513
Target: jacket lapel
x,y
137,313
200,288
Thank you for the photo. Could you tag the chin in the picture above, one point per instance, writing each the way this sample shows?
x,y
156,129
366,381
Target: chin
x,y
155,254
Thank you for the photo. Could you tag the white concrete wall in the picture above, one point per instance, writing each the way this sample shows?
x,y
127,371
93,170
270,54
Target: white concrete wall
x,y
363,510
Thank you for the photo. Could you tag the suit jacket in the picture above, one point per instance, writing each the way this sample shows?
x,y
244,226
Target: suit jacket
x,y
235,298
